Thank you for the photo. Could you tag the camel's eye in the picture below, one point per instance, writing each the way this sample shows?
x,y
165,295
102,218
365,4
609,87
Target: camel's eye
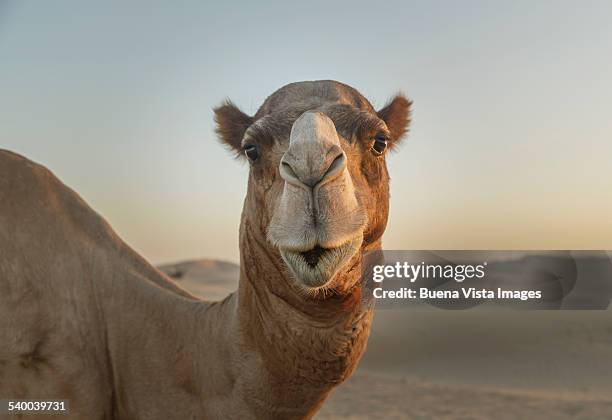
x,y
380,145
250,150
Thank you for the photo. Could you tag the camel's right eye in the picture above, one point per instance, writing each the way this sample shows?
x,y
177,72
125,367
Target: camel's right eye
x,y
250,150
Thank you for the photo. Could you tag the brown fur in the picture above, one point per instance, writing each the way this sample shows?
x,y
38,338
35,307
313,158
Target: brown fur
x,y
83,317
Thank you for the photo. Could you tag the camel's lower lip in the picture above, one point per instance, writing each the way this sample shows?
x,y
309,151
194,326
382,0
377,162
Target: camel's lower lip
x,y
317,266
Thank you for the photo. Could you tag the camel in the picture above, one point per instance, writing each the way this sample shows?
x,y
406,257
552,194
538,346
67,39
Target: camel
x,y
83,317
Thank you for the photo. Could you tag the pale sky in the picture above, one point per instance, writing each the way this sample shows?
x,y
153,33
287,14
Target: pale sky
x,y
511,146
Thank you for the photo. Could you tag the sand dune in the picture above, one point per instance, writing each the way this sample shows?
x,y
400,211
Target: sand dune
x,y
369,396
462,364
208,279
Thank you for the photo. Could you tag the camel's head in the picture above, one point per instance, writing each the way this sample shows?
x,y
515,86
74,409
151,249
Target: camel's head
x,y
318,186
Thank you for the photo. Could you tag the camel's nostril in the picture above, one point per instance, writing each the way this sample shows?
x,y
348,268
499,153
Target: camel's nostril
x,y
338,163
289,170
309,177
288,173
314,154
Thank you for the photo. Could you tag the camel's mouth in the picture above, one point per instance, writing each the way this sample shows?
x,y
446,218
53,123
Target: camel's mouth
x,y
317,266
313,256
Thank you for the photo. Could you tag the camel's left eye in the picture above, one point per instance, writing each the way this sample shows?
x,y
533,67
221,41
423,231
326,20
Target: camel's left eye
x,y
250,150
380,145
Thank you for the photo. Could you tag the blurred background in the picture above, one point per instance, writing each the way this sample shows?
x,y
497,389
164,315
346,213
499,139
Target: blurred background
x,y
510,146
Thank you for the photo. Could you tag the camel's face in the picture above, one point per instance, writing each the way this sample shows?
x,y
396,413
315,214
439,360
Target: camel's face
x,y
318,187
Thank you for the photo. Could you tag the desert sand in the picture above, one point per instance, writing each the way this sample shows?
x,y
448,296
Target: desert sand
x,y
435,364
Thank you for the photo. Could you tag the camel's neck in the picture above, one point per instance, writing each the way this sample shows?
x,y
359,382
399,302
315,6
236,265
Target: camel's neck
x,y
303,346
263,352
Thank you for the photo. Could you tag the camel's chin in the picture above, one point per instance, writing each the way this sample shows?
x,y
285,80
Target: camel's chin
x,y
329,262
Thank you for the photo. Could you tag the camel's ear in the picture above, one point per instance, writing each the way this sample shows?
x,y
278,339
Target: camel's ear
x,y
231,125
396,114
